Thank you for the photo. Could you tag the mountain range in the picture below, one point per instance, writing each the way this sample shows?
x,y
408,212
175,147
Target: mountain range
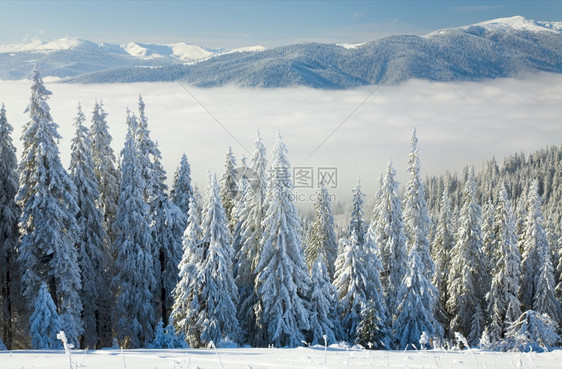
x,y
506,47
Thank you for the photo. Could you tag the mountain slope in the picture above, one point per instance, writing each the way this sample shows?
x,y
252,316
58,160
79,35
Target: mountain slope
x,y
504,47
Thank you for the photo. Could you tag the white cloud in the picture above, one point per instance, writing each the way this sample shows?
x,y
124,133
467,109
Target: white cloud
x,y
457,123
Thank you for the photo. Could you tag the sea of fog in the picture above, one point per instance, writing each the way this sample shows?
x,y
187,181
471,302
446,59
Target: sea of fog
x,y
355,131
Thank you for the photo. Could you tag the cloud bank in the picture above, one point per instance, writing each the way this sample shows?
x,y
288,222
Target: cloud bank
x,y
457,123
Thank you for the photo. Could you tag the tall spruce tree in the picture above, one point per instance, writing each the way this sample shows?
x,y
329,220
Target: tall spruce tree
x,y
322,242
186,294
9,216
442,246
468,269
389,231
219,295
92,244
47,198
247,238
503,304
282,281
134,311
416,217
532,241
104,162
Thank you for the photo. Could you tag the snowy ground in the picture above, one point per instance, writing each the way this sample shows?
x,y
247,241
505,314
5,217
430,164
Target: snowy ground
x,y
277,358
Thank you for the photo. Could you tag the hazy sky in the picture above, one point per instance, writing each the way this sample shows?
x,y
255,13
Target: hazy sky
x,y
245,23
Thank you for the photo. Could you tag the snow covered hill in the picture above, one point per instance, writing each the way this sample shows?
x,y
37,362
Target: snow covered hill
x,y
506,47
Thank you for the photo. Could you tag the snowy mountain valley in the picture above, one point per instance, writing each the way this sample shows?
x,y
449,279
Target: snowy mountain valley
x,y
394,203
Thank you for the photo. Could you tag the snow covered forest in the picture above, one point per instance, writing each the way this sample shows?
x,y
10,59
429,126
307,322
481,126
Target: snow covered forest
x,y
105,252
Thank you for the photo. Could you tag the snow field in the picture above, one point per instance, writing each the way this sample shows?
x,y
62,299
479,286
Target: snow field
x,y
256,358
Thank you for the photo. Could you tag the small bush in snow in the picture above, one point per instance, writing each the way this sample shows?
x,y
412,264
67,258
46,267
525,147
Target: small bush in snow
x,y
532,331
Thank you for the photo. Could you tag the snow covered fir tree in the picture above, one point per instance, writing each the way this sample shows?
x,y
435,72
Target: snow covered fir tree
x,y
106,252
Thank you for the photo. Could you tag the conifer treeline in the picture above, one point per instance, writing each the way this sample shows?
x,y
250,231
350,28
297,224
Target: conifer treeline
x,y
106,253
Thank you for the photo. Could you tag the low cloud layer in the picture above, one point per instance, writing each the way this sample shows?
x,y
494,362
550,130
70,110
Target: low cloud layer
x,y
457,123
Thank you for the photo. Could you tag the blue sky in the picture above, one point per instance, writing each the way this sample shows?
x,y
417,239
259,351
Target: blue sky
x,y
245,23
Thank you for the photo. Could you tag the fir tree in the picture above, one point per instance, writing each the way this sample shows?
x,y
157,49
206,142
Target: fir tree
x,y
47,197
544,301
9,216
416,217
532,241
108,178
356,222
219,295
44,322
415,313
92,244
134,312
357,282
182,191
442,245
282,281
247,238
186,301
323,305
389,231
503,304
104,160
321,240
466,275
229,185
373,327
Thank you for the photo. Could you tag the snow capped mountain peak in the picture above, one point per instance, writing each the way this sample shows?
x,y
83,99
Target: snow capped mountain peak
x,y
521,23
41,46
518,23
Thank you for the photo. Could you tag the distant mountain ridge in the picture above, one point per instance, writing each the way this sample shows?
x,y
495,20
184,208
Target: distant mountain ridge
x,y
505,47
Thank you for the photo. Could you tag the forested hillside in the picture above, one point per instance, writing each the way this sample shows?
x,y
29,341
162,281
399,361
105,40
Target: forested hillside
x,y
108,254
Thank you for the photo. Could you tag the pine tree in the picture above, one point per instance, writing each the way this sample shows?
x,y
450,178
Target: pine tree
x,y
247,238
415,313
323,305
356,222
466,275
389,231
416,217
442,245
532,241
219,295
182,191
373,327
92,245
322,241
357,282
229,185
282,281
9,215
47,198
44,322
108,178
544,301
186,301
503,304
104,160
416,229
134,312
